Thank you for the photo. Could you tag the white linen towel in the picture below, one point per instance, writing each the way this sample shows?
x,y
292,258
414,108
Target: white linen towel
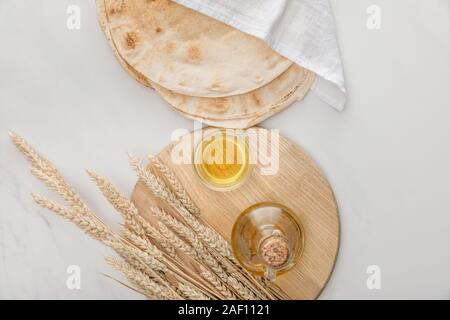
x,y
301,30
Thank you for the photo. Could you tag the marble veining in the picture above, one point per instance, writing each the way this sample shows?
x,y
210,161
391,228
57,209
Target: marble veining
x,y
386,156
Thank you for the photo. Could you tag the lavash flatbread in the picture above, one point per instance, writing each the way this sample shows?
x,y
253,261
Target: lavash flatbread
x,y
188,52
239,111
271,96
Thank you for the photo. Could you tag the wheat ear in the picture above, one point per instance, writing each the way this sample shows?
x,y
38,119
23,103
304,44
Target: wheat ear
x,y
141,261
100,232
136,227
176,185
32,156
159,188
148,253
145,265
45,171
210,236
192,293
204,254
134,257
217,283
92,227
121,203
139,279
176,241
145,246
154,234
78,213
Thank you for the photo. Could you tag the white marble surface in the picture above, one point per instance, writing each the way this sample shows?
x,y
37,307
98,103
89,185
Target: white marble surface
x,y
387,155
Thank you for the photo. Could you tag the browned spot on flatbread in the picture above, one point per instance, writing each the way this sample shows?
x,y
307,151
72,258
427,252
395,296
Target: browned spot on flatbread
x,y
256,99
131,40
272,64
243,104
216,105
183,99
194,54
116,7
158,29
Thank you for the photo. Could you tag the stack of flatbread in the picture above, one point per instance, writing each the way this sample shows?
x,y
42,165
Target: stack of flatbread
x,y
203,68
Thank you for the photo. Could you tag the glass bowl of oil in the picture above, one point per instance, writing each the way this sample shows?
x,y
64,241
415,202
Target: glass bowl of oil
x,y
222,159
267,239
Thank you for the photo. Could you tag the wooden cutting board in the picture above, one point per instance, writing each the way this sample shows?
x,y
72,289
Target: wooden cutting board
x,y
299,185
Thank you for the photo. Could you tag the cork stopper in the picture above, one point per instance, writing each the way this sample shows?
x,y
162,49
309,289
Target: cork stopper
x,y
274,251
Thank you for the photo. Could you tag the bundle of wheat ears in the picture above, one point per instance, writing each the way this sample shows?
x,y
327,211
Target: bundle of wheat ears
x,y
177,257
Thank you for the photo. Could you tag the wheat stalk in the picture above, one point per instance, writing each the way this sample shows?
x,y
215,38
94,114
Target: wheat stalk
x,y
33,157
139,279
204,254
188,234
45,171
192,293
154,234
91,227
136,227
211,237
134,230
145,246
149,254
121,203
146,258
125,253
103,234
176,241
141,260
138,290
79,213
176,185
217,283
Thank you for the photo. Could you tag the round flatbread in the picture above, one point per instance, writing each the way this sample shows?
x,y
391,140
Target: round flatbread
x,y
239,111
190,53
271,96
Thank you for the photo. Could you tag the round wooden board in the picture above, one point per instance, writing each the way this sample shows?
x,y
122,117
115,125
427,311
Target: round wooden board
x,y
299,185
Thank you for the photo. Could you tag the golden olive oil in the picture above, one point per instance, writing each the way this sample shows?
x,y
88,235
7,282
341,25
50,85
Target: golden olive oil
x,y
222,160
